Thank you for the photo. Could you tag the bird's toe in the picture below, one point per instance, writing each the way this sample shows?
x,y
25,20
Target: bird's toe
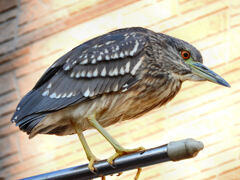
x,y
91,164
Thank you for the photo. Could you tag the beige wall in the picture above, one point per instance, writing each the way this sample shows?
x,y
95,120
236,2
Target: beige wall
x,y
33,34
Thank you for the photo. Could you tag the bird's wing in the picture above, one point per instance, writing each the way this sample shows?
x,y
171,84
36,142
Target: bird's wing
x,y
105,64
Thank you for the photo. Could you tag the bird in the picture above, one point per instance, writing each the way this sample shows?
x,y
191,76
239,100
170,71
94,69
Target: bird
x,y
117,76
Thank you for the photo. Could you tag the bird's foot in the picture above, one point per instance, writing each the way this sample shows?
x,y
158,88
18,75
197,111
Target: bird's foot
x,y
92,160
123,151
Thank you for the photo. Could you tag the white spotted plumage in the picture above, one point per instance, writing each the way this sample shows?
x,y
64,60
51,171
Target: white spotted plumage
x,y
125,85
85,61
53,95
49,85
78,74
121,54
122,72
83,73
89,74
69,95
107,57
95,72
127,67
86,93
135,48
99,58
115,87
104,72
111,72
109,42
72,74
66,68
91,94
115,71
135,68
115,56
45,93
94,61
68,59
58,96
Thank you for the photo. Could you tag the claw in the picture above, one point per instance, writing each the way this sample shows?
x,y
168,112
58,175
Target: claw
x,y
119,174
91,164
92,160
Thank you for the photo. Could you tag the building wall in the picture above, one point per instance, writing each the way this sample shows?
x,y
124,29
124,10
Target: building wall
x,y
33,34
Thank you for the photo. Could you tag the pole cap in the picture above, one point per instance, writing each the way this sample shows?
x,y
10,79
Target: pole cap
x,y
184,149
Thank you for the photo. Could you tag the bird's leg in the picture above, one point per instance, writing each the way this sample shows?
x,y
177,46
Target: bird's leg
x,y
118,148
91,157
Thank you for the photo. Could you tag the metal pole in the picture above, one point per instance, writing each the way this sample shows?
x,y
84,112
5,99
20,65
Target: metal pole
x,y
172,151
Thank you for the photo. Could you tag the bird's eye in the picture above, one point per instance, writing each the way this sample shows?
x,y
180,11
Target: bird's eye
x,y
185,54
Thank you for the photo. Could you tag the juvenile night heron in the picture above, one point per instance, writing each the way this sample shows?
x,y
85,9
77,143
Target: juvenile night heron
x,y
114,77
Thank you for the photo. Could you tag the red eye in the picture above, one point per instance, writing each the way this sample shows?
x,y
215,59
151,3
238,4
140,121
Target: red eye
x,y
185,54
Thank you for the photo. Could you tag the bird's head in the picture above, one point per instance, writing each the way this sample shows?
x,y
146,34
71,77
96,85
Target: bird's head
x,y
184,61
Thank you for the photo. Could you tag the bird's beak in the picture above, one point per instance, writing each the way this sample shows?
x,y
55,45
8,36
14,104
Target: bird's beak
x,y
206,73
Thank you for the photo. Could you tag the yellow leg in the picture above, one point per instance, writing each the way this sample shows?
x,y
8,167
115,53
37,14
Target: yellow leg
x,y
86,148
118,148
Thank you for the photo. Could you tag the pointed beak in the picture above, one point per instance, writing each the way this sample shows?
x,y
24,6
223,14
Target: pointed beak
x,y
206,73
